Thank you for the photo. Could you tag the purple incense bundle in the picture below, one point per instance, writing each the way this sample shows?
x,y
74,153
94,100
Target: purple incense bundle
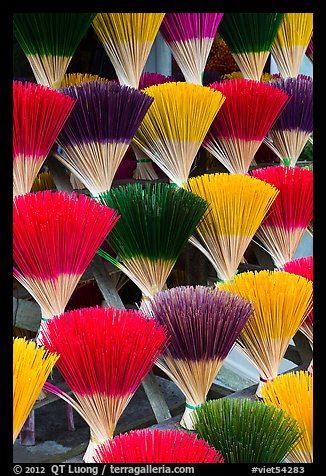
x,y
293,127
202,324
98,134
190,37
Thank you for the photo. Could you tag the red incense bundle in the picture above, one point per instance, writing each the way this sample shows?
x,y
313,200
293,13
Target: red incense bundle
x,y
105,355
55,237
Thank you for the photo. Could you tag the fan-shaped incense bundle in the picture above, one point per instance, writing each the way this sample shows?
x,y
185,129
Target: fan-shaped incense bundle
x,y
246,431
157,446
282,301
156,222
105,355
55,237
293,392
250,37
220,59
241,125
190,37
145,169
99,132
127,39
290,214
303,267
237,206
39,114
172,131
49,41
32,365
293,127
202,325
291,42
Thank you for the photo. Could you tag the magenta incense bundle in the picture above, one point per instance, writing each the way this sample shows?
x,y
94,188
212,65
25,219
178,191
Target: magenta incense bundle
x,y
190,37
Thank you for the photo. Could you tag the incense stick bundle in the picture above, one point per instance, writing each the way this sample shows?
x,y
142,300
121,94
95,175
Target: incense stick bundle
x,y
202,325
98,133
55,237
220,59
176,124
105,355
293,392
247,431
241,125
127,39
145,169
290,214
282,301
39,114
49,41
250,37
190,37
157,446
156,221
303,267
79,78
293,127
237,207
32,365
291,42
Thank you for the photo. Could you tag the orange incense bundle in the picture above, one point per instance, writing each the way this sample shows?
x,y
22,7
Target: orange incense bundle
x,y
106,353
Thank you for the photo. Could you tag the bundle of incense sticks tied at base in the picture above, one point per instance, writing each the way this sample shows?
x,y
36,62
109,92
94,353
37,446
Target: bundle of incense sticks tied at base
x,y
202,325
55,237
105,355
49,41
190,37
282,301
156,222
32,365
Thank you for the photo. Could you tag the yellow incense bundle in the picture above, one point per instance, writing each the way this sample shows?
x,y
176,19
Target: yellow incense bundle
x,y
127,39
293,392
78,78
237,206
282,301
291,42
176,124
32,365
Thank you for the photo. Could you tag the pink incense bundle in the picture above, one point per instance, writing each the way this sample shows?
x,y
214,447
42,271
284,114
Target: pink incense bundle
x,y
105,353
39,114
291,212
190,37
157,446
303,267
55,237
243,121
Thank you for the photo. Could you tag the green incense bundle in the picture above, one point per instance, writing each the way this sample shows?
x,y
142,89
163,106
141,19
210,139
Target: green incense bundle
x,y
156,222
49,41
247,431
249,37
